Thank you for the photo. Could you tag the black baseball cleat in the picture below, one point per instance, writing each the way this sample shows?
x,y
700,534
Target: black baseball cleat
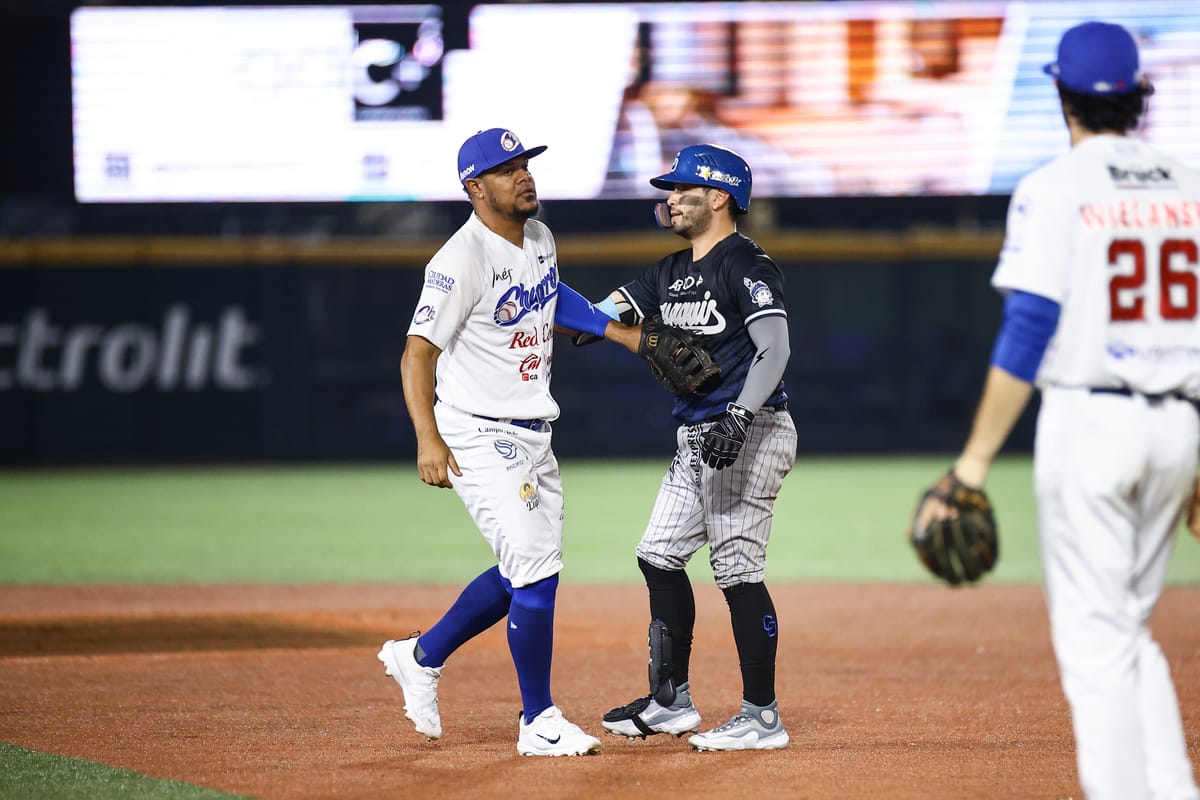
x,y
645,717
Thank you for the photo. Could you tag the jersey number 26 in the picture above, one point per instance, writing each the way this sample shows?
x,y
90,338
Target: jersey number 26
x,y
1177,285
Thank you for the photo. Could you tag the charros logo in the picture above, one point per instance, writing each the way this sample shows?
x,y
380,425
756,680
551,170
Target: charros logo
x,y
38,354
518,300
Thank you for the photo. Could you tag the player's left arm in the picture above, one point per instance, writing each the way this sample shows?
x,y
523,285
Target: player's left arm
x,y
772,349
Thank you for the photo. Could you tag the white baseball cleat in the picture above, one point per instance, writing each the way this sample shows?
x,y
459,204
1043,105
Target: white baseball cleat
x,y
550,734
753,728
418,683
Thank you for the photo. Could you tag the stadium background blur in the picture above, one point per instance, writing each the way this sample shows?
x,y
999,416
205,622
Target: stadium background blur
x,y
225,331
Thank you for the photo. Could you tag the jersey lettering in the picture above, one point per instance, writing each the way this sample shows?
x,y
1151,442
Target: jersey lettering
x,y
701,316
519,301
1178,286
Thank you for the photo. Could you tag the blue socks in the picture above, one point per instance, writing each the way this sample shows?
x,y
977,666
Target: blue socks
x,y
481,605
531,642
484,602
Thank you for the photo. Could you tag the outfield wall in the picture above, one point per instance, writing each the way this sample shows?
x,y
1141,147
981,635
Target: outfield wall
x,y
115,350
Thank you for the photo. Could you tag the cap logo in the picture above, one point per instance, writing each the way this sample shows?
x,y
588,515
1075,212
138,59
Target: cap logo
x,y
462,175
509,141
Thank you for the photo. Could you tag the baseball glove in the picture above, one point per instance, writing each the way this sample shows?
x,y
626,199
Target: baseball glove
x,y
679,362
963,548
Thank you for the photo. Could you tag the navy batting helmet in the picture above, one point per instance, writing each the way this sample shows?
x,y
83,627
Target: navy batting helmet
x,y
710,165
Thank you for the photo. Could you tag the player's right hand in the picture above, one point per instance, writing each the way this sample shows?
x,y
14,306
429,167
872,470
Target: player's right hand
x,y
435,462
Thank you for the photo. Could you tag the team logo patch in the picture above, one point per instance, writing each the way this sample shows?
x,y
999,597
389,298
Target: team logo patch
x,y
529,496
770,625
506,449
506,314
760,293
509,141
424,314
520,299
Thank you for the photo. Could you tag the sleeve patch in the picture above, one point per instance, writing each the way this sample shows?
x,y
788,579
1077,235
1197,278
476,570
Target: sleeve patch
x,y
439,281
760,293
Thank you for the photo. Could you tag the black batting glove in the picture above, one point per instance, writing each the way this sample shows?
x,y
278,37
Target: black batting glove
x,y
720,444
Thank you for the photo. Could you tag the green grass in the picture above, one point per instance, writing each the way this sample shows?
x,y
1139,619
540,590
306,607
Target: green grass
x,y
30,775
837,519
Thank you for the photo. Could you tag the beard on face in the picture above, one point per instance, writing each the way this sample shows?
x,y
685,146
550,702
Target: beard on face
x,y
695,219
515,207
522,212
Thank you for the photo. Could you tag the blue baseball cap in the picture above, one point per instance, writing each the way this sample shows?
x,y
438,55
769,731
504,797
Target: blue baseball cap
x,y
1097,58
488,149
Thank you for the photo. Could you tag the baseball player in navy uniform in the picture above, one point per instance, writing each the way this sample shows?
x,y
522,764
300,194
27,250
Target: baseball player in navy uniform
x,y
735,445
476,372
1099,271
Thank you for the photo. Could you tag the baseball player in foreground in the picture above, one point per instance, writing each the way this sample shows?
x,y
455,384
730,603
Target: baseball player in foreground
x,y
735,445
476,372
1099,270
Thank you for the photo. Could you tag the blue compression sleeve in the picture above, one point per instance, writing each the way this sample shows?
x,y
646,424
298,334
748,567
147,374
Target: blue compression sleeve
x,y
575,312
1029,322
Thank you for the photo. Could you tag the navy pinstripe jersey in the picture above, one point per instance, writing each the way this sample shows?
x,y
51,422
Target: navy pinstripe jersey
x,y
716,297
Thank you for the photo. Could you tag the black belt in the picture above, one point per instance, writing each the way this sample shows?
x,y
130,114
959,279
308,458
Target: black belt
x,y
1127,392
534,425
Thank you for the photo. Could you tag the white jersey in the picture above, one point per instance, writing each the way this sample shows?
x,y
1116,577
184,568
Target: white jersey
x,y
489,307
1111,232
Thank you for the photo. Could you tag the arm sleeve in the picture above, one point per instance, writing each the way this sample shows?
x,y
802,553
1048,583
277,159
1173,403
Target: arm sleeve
x,y
609,307
772,350
575,312
1029,322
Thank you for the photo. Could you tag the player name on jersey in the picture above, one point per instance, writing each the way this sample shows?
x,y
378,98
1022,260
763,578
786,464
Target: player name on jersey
x,y
1136,214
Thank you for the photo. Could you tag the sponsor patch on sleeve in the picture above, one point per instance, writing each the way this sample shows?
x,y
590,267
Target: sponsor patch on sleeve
x,y
440,282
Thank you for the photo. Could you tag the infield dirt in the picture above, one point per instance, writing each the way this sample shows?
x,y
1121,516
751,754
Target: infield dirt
x,y
274,692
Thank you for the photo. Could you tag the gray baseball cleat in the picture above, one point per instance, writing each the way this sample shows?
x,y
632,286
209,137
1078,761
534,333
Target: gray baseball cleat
x,y
645,717
753,728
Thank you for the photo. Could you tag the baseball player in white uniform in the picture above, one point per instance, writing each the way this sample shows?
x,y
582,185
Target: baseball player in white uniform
x,y
1099,269
476,372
